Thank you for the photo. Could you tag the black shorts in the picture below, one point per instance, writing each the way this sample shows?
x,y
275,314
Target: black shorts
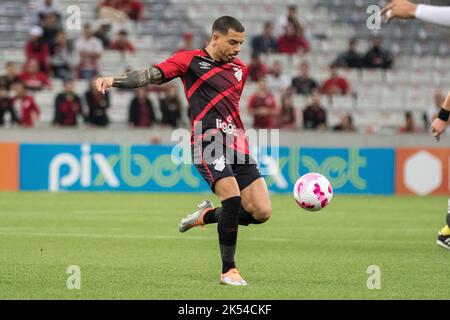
x,y
227,164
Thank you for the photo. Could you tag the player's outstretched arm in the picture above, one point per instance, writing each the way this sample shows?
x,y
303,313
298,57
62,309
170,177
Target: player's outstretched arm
x,y
440,123
131,80
404,9
399,9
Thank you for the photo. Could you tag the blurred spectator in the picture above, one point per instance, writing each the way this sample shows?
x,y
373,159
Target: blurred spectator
x,y
47,7
263,107
288,118
97,104
141,113
304,84
61,57
25,105
50,28
102,33
6,107
335,85
32,78
257,69
433,110
292,42
170,108
133,8
289,18
410,124
188,43
276,80
377,56
67,106
266,42
90,50
36,49
121,43
314,115
350,58
110,10
346,124
11,76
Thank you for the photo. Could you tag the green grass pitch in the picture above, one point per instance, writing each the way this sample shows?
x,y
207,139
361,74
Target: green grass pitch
x,y
127,246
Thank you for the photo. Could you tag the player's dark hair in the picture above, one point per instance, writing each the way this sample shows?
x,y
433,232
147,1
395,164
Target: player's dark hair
x,y
225,23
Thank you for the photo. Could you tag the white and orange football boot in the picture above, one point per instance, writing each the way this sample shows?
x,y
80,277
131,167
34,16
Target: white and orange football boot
x,y
196,219
233,278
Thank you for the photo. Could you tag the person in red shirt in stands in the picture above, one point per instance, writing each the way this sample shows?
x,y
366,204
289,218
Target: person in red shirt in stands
x,y
36,49
335,85
257,70
121,43
410,125
68,106
291,42
140,112
32,78
25,105
263,107
133,8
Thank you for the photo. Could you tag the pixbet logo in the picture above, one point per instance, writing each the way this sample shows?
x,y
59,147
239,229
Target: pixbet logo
x,y
79,169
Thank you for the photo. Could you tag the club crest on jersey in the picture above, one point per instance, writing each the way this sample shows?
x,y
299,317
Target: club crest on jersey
x,y
238,74
205,65
219,164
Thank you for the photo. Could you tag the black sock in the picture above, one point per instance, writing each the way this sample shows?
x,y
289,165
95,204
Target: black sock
x,y
227,227
448,220
212,216
245,217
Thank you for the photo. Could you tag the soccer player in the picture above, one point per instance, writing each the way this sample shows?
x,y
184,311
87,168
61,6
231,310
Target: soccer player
x,y
441,16
213,79
438,126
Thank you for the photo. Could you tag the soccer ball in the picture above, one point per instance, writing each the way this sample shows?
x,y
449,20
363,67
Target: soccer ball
x,y
313,192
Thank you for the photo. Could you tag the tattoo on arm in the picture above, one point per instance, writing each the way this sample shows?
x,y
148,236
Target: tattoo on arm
x,y
136,79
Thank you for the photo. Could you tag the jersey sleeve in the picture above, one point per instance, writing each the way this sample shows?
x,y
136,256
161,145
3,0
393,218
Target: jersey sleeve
x,y
175,66
434,14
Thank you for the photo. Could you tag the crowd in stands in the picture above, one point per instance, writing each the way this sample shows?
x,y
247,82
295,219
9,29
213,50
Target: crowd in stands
x,y
51,56
287,35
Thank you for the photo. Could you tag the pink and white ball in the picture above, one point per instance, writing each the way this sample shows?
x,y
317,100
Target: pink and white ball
x,y
313,192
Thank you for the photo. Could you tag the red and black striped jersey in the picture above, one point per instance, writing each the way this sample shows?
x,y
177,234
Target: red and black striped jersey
x,y
213,90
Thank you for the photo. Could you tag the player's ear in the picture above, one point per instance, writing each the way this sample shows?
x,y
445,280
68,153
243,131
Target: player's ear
x,y
215,36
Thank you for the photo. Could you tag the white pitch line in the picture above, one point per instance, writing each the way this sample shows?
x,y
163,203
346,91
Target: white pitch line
x,y
161,237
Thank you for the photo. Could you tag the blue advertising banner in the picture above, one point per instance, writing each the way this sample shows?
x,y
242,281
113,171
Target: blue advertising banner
x,y
350,170
151,169
105,168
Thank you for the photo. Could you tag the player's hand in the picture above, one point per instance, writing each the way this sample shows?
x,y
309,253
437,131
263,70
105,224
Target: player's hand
x,y
103,83
399,9
438,127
